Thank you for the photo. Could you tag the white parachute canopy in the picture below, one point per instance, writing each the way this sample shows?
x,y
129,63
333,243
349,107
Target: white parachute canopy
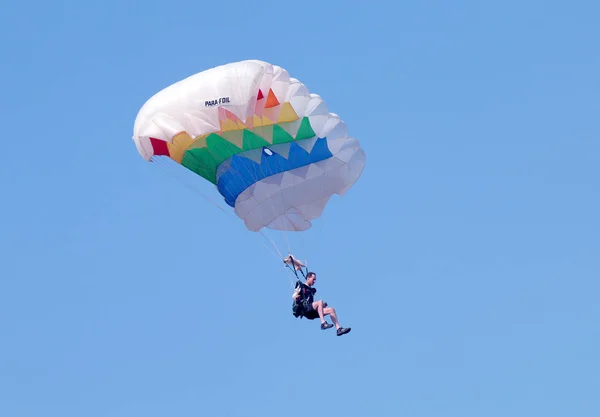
x,y
272,149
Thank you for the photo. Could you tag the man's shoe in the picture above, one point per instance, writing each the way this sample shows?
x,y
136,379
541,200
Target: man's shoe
x,y
343,330
326,325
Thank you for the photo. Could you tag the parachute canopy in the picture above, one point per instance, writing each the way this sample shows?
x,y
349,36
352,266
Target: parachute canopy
x,y
272,149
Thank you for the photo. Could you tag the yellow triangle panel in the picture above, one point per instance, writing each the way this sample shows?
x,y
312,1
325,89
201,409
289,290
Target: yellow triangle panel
x,y
228,125
287,113
181,141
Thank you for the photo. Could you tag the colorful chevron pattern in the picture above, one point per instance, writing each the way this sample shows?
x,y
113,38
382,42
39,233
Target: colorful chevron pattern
x,y
273,123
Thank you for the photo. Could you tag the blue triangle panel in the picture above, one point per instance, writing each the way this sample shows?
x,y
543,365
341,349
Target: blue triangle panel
x,y
237,173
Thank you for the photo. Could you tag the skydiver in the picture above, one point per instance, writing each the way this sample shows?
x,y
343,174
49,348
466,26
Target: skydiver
x,y
305,306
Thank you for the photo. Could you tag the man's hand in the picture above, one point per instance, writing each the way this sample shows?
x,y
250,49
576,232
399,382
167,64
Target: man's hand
x,y
296,294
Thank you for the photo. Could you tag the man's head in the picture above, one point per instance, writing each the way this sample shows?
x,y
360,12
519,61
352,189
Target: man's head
x,y
311,278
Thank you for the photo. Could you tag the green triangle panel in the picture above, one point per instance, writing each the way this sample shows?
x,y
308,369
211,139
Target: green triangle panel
x,y
262,130
202,162
220,147
305,131
280,135
253,141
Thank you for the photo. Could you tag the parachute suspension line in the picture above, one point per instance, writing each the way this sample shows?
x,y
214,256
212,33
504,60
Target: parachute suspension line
x,y
278,255
283,232
271,207
164,163
287,242
271,250
272,243
278,215
275,213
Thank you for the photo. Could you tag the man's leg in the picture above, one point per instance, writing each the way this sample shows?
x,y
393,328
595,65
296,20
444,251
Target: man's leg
x,y
331,311
318,305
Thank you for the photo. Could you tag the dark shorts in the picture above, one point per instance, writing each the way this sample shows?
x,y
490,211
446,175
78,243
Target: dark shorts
x,y
310,313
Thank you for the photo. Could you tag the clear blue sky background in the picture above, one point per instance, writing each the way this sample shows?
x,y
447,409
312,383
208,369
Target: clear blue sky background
x,y
465,258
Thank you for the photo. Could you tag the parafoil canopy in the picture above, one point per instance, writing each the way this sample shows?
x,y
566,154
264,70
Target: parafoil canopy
x,y
272,148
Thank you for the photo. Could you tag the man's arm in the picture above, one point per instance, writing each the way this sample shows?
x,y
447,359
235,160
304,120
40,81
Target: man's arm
x,y
296,294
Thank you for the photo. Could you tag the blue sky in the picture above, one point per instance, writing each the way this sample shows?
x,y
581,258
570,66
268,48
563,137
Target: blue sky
x,y
465,258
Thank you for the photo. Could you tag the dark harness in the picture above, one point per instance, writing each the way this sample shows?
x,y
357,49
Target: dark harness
x,y
304,302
